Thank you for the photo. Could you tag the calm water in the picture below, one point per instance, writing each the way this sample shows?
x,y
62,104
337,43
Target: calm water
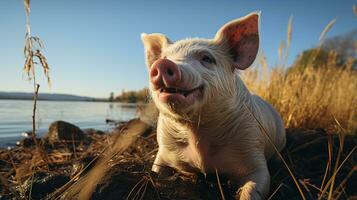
x,y
16,116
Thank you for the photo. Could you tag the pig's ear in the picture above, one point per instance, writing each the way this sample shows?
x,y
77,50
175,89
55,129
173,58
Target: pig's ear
x,y
154,43
241,36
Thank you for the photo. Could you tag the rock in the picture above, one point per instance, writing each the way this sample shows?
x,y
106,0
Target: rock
x,y
65,132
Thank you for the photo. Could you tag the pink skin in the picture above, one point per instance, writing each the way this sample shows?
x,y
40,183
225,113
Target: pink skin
x,y
165,74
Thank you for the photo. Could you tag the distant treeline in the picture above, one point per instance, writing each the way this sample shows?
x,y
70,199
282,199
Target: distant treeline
x,y
131,96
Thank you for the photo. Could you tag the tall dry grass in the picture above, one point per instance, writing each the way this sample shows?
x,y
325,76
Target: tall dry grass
x,y
33,57
309,96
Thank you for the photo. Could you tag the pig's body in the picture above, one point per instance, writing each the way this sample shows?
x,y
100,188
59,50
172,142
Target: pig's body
x,y
221,137
205,111
225,137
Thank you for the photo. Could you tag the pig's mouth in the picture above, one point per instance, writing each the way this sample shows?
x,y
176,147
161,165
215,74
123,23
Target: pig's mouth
x,y
179,91
179,95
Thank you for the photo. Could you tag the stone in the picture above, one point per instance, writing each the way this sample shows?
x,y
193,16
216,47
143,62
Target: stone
x,y
61,131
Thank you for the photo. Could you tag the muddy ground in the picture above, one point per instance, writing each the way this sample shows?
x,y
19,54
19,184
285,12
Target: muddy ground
x,y
54,170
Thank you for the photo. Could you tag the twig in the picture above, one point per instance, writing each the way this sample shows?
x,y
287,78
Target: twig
x,y
275,191
36,88
219,186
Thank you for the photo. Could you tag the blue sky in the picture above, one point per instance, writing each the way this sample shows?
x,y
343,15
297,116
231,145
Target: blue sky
x,y
94,47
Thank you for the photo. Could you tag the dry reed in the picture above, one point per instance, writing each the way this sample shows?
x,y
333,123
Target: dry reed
x,y
309,98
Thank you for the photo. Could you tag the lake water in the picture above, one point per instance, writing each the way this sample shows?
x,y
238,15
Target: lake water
x,y
16,116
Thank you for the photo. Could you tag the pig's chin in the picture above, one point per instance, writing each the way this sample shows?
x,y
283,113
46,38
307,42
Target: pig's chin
x,y
179,98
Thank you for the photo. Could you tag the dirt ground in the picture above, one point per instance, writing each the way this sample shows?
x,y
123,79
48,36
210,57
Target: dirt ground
x,y
55,171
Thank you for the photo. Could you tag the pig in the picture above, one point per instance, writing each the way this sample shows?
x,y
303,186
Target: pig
x,y
206,114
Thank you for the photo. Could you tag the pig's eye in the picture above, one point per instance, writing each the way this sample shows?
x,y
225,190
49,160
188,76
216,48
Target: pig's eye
x,y
207,59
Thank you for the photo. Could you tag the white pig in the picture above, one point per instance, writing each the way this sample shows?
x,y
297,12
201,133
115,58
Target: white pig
x,y
204,123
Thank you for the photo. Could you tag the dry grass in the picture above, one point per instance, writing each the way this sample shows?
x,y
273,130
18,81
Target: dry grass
x,y
329,187
105,169
33,50
34,56
312,96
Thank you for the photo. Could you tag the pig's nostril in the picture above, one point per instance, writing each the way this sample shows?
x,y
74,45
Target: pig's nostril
x,y
154,73
170,72
164,73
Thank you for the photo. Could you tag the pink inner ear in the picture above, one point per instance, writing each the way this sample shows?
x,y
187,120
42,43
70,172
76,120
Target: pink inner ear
x,y
243,38
156,49
154,53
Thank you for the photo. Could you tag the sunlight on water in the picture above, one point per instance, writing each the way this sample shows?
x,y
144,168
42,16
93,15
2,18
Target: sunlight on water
x,y
16,116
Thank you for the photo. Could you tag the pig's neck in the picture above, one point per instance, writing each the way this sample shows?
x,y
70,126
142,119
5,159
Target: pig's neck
x,y
218,120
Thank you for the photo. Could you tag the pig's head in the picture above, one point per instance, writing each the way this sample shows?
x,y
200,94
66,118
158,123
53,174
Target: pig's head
x,y
191,75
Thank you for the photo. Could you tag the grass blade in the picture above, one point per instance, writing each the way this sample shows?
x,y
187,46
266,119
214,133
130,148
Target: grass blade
x,y
326,29
335,172
219,185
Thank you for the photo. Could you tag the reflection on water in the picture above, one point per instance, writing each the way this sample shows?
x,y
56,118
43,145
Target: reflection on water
x,y
16,116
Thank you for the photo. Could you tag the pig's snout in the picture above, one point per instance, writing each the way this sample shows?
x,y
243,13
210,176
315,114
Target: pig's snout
x,y
164,73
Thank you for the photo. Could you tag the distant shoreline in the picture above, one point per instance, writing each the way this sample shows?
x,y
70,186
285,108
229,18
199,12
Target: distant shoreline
x,y
48,97
41,99
127,97
60,100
